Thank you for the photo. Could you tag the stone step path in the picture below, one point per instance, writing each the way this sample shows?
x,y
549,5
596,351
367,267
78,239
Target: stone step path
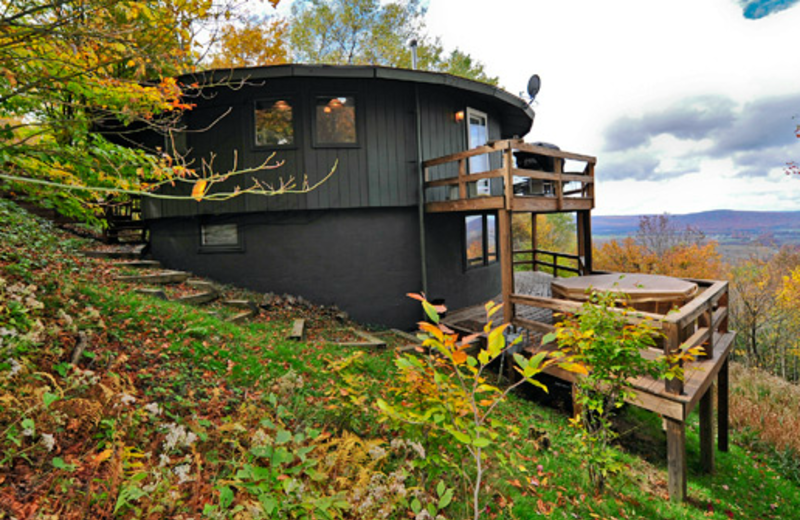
x,y
122,254
163,277
250,310
140,264
209,294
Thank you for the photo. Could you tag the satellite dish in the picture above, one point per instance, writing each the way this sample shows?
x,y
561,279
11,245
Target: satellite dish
x,y
534,84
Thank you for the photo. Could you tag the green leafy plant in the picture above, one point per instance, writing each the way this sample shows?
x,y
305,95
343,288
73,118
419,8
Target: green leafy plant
x,y
448,391
604,339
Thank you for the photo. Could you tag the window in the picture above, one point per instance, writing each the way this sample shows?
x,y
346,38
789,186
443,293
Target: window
x,y
274,123
480,232
478,135
219,236
335,121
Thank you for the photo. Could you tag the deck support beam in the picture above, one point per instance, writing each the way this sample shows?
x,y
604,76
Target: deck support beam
x,y
535,266
506,262
584,219
706,412
676,459
723,397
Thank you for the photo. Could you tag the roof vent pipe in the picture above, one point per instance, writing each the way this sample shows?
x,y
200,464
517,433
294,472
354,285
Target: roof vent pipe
x,y
413,45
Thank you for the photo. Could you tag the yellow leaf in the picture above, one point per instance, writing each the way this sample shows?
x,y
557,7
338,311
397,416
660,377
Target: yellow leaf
x,y
103,455
576,368
199,190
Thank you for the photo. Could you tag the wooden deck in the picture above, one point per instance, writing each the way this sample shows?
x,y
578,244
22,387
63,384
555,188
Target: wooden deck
x,y
700,322
651,394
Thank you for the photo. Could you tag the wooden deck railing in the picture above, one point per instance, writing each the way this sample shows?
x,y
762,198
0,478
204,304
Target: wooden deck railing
x,y
571,191
535,261
702,322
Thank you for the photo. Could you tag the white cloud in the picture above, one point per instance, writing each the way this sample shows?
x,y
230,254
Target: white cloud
x,y
601,62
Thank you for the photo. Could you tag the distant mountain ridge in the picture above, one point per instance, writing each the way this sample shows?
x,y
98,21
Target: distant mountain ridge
x,y
725,222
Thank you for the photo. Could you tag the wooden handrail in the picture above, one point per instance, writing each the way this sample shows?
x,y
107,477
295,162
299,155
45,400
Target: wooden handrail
x,y
558,154
534,262
571,256
473,177
551,176
472,152
575,199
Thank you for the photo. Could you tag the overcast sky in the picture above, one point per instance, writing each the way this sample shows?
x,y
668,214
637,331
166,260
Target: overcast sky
x,y
688,105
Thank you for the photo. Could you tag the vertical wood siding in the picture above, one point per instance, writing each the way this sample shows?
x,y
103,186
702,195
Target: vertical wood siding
x,y
380,172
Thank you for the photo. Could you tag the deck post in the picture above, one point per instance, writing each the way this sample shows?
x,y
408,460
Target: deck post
x,y
462,179
706,412
506,245
676,459
723,419
534,265
506,263
674,337
558,165
584,219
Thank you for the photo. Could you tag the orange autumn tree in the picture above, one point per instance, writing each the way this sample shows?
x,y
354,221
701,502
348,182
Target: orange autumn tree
x,y
256,41
765,312
661,247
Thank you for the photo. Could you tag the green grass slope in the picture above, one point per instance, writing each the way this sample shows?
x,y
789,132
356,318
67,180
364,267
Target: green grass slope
x,y
117,405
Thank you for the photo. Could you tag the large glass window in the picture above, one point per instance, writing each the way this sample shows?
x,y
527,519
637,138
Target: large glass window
x,y
274,122
480,233
474,234
335,120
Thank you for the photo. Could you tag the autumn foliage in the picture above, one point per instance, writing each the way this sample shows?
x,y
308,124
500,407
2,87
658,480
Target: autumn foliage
x,y
682,261
662,248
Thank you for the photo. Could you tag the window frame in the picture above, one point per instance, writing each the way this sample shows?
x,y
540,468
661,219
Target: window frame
x,y
254,123
356,104
237,247
486,260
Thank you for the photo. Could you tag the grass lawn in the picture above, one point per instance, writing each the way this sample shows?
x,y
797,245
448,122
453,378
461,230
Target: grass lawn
x,y
119,405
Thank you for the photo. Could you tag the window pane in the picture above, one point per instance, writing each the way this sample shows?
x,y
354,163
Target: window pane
x,y
478,136
491,238
474,232
274,123
336,120
219,235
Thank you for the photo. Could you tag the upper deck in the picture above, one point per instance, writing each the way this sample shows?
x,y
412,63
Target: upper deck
x,y
531,178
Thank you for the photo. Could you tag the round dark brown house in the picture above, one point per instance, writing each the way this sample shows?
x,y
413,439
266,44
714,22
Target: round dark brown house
x,y
364,238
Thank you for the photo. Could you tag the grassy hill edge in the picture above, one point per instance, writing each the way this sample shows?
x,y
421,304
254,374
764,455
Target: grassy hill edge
x,y
170,412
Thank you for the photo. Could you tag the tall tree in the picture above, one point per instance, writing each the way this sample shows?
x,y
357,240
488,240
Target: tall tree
x,y
764,311
69,68
253,40
360,32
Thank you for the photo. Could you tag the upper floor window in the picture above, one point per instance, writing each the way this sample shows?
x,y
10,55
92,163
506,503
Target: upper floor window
x,y
335,120
274,122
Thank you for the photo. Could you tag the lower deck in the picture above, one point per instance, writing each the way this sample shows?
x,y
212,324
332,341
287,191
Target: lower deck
x,y
649,393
